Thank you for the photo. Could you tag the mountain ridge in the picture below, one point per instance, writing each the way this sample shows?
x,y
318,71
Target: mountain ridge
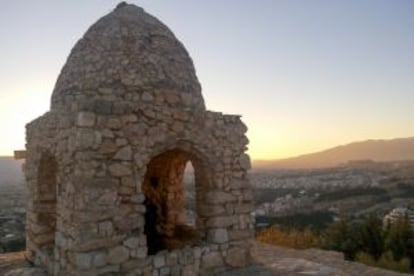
x,y
381,150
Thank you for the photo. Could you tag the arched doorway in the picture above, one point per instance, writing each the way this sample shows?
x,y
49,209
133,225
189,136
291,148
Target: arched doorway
x,y
45,203
166,220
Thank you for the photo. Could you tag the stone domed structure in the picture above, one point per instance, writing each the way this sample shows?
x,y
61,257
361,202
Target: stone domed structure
x,y
128,56
105,165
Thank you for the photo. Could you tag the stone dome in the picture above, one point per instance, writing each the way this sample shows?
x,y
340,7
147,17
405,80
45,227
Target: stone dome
x,y
128,55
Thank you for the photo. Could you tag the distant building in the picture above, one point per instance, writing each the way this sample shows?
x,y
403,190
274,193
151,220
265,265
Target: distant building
x,y
398,213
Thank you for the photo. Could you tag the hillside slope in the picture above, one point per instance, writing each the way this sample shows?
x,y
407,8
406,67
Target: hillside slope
x,y
376,150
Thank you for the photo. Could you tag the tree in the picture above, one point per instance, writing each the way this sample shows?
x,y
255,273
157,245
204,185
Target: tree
x,y
341,236
371,236
399,238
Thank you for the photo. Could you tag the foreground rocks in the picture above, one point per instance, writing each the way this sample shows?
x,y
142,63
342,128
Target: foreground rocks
x,y
269,260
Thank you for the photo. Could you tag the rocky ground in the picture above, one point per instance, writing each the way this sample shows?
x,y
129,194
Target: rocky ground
x,y
268,260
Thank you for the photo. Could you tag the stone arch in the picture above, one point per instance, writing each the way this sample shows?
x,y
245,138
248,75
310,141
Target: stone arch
x,y
45,202
163,188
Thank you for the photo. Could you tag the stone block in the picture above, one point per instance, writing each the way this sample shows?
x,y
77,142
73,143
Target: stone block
x,y
129,222
99,259
172,258
85,138
212,259
141,252
236,257
107,146
221,222
124,153
105,228
109,270
132,242
244,161
189,270
219,197
165,271
118,255
121,142
60,240
83,260
134,264
240,234
159,261
147,97
244,208
218,235
102,107
120,170
86,119
211,210
114,123
137,198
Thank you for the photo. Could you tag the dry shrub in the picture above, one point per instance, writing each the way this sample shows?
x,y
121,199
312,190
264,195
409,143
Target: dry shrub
x,y
299,239
386,261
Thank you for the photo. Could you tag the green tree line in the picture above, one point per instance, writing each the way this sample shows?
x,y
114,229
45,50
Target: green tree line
x,y
389,246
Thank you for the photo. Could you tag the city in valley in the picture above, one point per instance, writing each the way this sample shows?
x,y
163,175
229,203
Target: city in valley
x,y
318,196
300,197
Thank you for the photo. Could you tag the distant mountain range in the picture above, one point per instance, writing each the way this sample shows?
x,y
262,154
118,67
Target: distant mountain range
x,y
10,170
375,150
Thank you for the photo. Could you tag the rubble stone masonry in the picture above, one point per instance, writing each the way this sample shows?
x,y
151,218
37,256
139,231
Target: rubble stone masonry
x,y
105,165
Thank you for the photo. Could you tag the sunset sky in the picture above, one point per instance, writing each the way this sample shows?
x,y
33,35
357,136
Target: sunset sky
x,y
305,75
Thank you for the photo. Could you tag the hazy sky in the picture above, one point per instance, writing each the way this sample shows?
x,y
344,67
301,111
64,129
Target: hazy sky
x,y
305,75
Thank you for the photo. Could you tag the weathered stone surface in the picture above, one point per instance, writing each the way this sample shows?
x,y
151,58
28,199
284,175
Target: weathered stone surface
x,y
244,208
159,261
84,260
219,197
124,153
114,123
165,271
212,259
86,119
85,139
105,228
132,242
109,269
237,234
118,169
107,146
222,222
212,210
147,97
140,252
236,257
219,235
189,270
118,255
244,161
99,259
